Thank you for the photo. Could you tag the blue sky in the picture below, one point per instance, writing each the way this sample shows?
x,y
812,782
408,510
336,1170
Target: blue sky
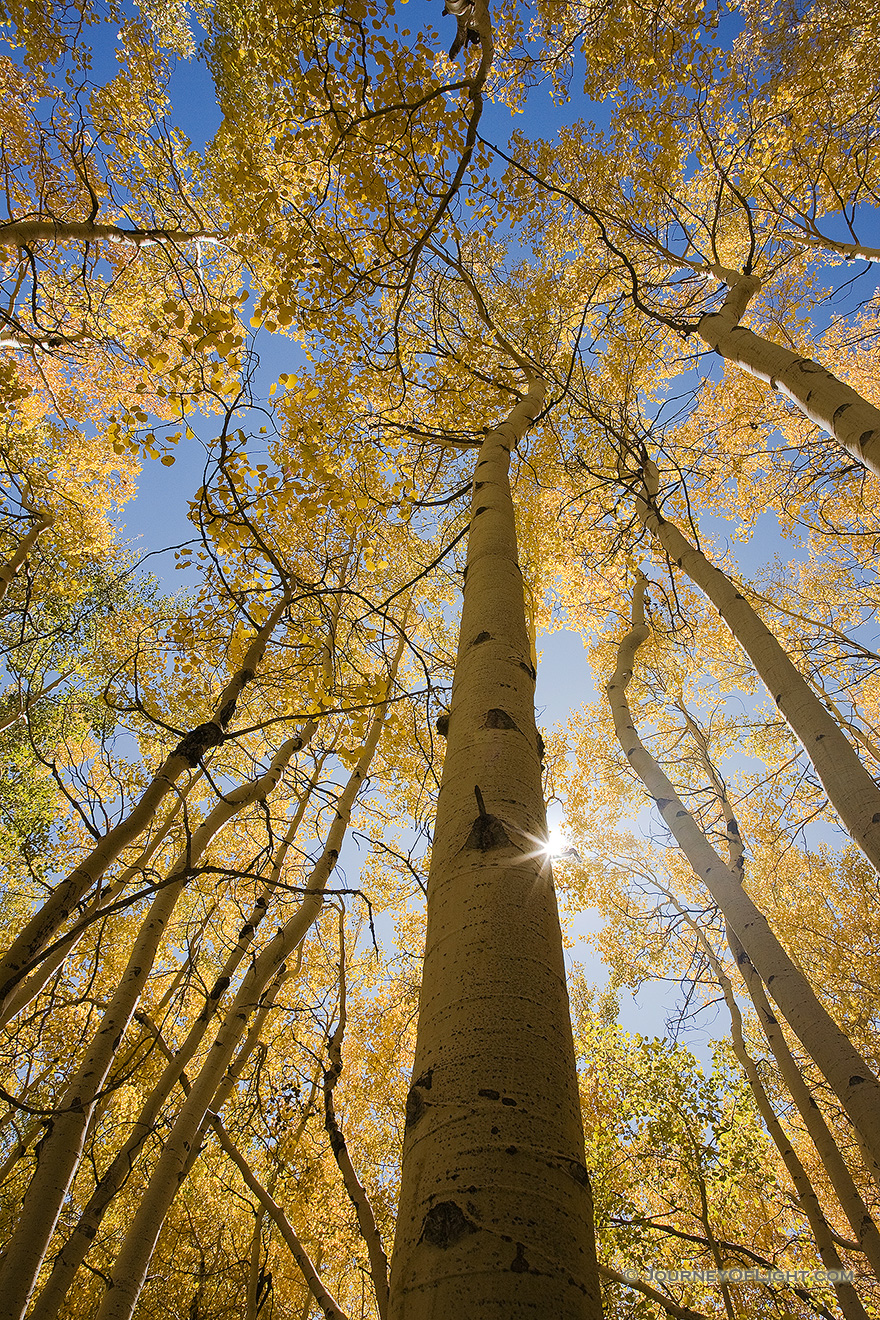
x,y
157,517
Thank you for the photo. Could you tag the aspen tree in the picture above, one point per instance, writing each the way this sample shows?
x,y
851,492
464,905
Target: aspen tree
x,y
74,1250
181,1145
495,1215
851,418
42,520
850,1302
830,403
846,1072
850,1200
22,233
318,1289
184,757
64,1141
851,788
356,1192
252,1300
52,957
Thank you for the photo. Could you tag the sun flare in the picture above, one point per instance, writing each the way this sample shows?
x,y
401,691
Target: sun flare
x,y
557,843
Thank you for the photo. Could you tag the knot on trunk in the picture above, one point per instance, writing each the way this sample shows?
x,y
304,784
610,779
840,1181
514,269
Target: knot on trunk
x,y
487,832
445,1224
415,1106
194,745
499,719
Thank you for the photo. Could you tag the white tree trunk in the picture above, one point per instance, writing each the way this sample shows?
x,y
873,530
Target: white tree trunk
x,y
807,1197
851,788
134,1257
186,756
846,1072
63,1143
22,550
71,1255
18,233
357,1193
848,1196
827,401
495,1214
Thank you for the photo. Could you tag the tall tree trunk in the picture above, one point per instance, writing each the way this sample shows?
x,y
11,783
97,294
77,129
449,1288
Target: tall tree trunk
x,y
807,1198
51,957
851,788
847,1073
63,1143
495,1214
185,756
182,1142
23,549
848,1196
827,401
357,1193
252,1301
73,1252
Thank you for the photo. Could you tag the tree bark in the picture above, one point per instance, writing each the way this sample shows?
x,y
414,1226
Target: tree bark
x,y
357,1193
21,233
54,955
63,1143
851,788
74,1251
827,401
849,1198
181,1144
807,1197
186,756
22,550
321,1293
846,1072
495,1214
253,1281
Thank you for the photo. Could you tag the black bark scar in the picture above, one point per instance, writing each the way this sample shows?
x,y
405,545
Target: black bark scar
x,y
445,1224
487,832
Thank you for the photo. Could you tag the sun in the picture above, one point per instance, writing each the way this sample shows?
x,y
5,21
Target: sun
x,y
557,843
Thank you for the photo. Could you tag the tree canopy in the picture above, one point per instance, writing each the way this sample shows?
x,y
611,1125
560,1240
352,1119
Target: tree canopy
x,y
442,333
